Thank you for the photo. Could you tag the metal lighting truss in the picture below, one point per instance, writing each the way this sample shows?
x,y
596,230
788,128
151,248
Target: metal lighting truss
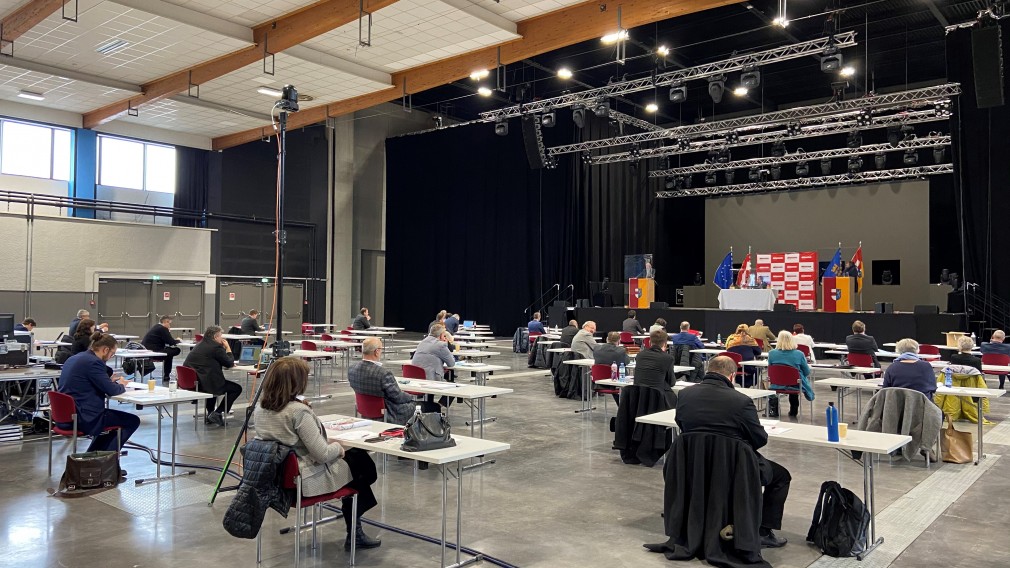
x,y
810,131
738,63
808,182
914,97
914,144
645,125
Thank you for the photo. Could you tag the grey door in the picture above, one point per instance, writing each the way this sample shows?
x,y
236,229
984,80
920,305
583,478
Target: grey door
x,y
183,300
236,300
294,299
126,306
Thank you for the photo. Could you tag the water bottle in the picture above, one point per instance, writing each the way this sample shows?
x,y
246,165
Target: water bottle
x,y
624,372
417,410
832,421
718,338
613,371
973,337
948,380
173,385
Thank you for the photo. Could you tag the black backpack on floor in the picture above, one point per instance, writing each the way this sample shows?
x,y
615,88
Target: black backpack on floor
x,y
840,522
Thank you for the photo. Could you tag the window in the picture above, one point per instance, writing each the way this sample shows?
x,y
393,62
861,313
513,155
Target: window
x,y
34,150
136,165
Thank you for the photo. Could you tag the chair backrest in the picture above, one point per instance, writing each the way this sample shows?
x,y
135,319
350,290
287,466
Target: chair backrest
x,y
347,331
307,329
327,337
805,349
783,375
760,342
732,355
187,377
995,359
369,406
626,337
694,332
290,471
308,346
600,372
647,343
198,338
62,407
414,372
927,349
859,359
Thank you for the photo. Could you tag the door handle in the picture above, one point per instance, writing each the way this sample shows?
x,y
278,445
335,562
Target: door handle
x,y
121,314
147,315
182,315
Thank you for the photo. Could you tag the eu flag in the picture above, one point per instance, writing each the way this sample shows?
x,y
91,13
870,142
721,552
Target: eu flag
x,y
724,274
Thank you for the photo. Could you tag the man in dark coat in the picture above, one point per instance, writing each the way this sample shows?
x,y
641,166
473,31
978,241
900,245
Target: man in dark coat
x,y
713,406
369,377
208,358
159,339
859,342
631,324
568,333
654,366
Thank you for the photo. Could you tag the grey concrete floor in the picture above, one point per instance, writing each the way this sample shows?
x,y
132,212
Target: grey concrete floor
x,y
560,497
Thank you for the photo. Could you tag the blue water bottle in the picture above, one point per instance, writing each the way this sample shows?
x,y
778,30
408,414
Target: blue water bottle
x,y
832,421
948,381
623,372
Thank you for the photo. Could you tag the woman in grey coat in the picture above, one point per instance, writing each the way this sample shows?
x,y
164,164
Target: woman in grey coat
x,y
325,466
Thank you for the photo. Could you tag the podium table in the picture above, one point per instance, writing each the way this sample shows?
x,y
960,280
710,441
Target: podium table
x,y
747,299
641,292
839,293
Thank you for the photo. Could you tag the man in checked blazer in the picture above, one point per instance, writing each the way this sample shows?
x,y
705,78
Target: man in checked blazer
x,y
368,376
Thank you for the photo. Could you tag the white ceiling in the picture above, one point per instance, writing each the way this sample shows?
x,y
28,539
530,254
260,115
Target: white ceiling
x,y
405,34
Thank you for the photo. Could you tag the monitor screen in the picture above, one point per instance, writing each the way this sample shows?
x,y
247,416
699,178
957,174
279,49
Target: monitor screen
x,y
7,326
250,353
469,323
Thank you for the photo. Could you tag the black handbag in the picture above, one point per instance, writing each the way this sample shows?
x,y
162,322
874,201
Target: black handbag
x,y
427,431
90,470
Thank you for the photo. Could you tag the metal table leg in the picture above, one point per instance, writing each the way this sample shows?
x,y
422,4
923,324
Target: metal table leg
x,y
459,518
587,392
868,493
978,405
175,436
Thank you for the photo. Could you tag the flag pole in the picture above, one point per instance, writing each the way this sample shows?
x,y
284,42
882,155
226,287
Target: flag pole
x,y
858,278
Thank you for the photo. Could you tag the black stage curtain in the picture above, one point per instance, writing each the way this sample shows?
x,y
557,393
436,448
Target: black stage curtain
x,y
471,228
192,183
981,155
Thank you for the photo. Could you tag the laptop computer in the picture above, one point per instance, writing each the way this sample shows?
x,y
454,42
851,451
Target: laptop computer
x,y
250,355
468,324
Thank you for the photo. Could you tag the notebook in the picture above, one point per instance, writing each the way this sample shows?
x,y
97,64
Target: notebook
x,y
250,355
468,324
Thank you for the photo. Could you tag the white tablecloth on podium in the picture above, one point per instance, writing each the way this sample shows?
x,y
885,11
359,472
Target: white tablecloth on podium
x,y
758,299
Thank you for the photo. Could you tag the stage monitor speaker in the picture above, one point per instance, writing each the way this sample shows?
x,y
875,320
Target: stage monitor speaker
x,y
531,140
582,303
659,305
883,308
926,309
784,308
987,61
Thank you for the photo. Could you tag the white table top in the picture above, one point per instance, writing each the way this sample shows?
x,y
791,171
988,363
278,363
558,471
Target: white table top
x,y
138,354
248,368
806,434
860,384
466,447
474,331
681,385
120,337
465,353
560,350
387,328
238,336
969,391
137,393
985,368
747,299
708,351
28,373
479,367
303,353
374,332
47,342
458,390
335,343
882,353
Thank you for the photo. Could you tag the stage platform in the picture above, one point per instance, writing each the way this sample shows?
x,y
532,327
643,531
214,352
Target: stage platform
x,y
826,327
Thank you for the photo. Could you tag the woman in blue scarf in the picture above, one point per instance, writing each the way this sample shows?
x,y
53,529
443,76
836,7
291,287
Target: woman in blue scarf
x,y
910,372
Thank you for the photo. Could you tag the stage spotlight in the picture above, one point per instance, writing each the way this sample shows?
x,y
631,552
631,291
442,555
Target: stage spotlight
x,y
579,116
732,137
938,154
710,178
501,127
864,118
802,169
741,91
651,107
668,182
716,88
587,158
847,71
942,108
793,129
826,167
854,140
564,73
684,144
687,182
907,133
484,91
750,78
910,158
602,108
880,160
678,93
548,119
893,136
730,174
831,60
754,174
855,164
776,172
778,149
724,156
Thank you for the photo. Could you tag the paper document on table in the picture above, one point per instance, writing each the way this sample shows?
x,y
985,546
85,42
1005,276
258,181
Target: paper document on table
x,y
346,424
766,422
685,384
353,436
439,385
776,430
877,382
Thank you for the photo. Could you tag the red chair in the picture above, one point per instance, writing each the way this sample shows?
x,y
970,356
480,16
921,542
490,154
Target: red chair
x,y
414,372
308,329
327,337
788,379
370,407
861,360
804,349
292,479
647,343
600,373
694,332
309,346
63,410
738,358
626,338
927,349
198,338
534,336
189,380
996,359
760,343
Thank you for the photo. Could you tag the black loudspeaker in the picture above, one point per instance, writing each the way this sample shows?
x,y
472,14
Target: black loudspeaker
x,y
531,137
582,303
784,308
655,305
926,309
987,60
883,308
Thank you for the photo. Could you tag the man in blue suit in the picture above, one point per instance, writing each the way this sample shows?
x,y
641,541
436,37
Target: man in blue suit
x,y
88,379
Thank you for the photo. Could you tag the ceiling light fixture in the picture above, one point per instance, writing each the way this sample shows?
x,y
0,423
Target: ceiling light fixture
x,y
663,50
501,127
111,46
32,96
579,116
615,37
716,87
741,91
831,59
781,20
750,78
847,71
270,92
484,91
678,93
564,73
651,107
479,74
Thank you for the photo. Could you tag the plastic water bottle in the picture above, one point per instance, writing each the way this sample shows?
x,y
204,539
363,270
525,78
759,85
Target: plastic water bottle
x,y
624,372
613,371
718,338
948,380
417,410
832,421
173,385
973,337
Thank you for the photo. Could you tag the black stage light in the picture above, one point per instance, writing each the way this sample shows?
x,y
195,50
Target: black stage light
x,y
289,99
754,174
907,132
732,137
750,78
854,140
776,172
880,160
602,108
855,164
668,182
911,157
684,144
579,116
501,127
710,178
724,156
864,118
826,166
779,149
831,60
893,136
548,119
793,129
716,88
687,182
802,169
678,93
730,174
938,154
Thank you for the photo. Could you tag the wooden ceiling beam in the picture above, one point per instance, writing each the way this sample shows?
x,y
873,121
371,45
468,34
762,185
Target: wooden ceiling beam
x,y
15,24
540,34
278,34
